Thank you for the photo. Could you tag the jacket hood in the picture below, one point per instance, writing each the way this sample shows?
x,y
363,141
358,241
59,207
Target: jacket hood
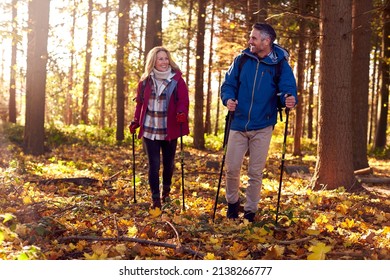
x,y
277,54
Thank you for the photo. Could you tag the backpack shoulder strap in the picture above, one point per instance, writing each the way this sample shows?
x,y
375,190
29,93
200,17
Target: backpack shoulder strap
x,y
278,71
241,63
243,58
143,86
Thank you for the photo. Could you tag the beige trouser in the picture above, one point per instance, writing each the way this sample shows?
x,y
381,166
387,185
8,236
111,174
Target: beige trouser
x,y
257,141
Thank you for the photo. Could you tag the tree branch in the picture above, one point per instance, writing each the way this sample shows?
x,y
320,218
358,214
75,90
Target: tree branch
x,y
180,249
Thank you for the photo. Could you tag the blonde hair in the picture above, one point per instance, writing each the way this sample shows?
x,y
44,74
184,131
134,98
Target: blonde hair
x,y
151,60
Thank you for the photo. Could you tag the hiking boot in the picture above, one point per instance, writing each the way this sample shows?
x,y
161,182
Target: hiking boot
x,y
166,198
165,194
232,212
250,216
156,203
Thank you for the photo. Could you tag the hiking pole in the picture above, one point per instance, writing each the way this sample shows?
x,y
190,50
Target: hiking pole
x,y
135,200
287,110
182,164
229,117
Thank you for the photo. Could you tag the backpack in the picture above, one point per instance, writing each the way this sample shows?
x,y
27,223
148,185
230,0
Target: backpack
x,y
278,71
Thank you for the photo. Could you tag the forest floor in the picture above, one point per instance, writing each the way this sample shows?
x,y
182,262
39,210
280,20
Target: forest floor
x,y
77,202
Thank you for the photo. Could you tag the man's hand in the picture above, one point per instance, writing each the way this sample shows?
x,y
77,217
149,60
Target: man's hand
x,y
290,101
181,117
231,104
133,126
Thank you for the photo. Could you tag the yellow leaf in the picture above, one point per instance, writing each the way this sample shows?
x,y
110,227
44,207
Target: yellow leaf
x,y
132,231
27,200
7,217
342,208
319,251
121,248
347,223
330,228
81,245
238,251
125,222
71,246
95,256
386,230
312,232
98,248
321,219
154,213
108,233
209,256
214,240
98,252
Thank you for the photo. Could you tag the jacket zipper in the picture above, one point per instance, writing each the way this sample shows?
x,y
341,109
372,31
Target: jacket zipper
x,y
253,94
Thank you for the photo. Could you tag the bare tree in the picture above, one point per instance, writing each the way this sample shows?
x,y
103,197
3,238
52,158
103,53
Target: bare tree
x,y
88,56
69,100
199,140
257,11
375,84
188,43
310,101
207,125
361,48
383,108
38,23
104,71
301,78
12,87
123,40
153,35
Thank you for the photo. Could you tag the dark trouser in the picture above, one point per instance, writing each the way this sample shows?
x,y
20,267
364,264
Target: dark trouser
x,y
168,149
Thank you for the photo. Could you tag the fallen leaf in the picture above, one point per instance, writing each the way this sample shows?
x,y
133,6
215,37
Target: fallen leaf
x,y
319,251
155,212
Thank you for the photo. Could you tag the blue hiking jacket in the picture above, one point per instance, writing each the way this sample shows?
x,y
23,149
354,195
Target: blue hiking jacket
x,y
256,90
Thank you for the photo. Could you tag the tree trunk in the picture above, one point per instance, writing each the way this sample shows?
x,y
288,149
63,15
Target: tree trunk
x,y
188,43
375,77
301,80
123,40
310,105
142,31
334,166
380,136
361,48
69,93
199,140
153,35
12,87
104,71
257,11
216,129
88,56
207,126
38,25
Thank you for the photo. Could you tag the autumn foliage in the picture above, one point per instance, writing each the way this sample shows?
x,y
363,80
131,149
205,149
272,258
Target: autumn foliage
x,y
76,202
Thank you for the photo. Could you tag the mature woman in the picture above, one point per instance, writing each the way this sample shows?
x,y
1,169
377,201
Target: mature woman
x,y
162,115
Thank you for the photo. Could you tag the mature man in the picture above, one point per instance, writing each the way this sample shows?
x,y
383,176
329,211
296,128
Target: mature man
x,y
257,78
